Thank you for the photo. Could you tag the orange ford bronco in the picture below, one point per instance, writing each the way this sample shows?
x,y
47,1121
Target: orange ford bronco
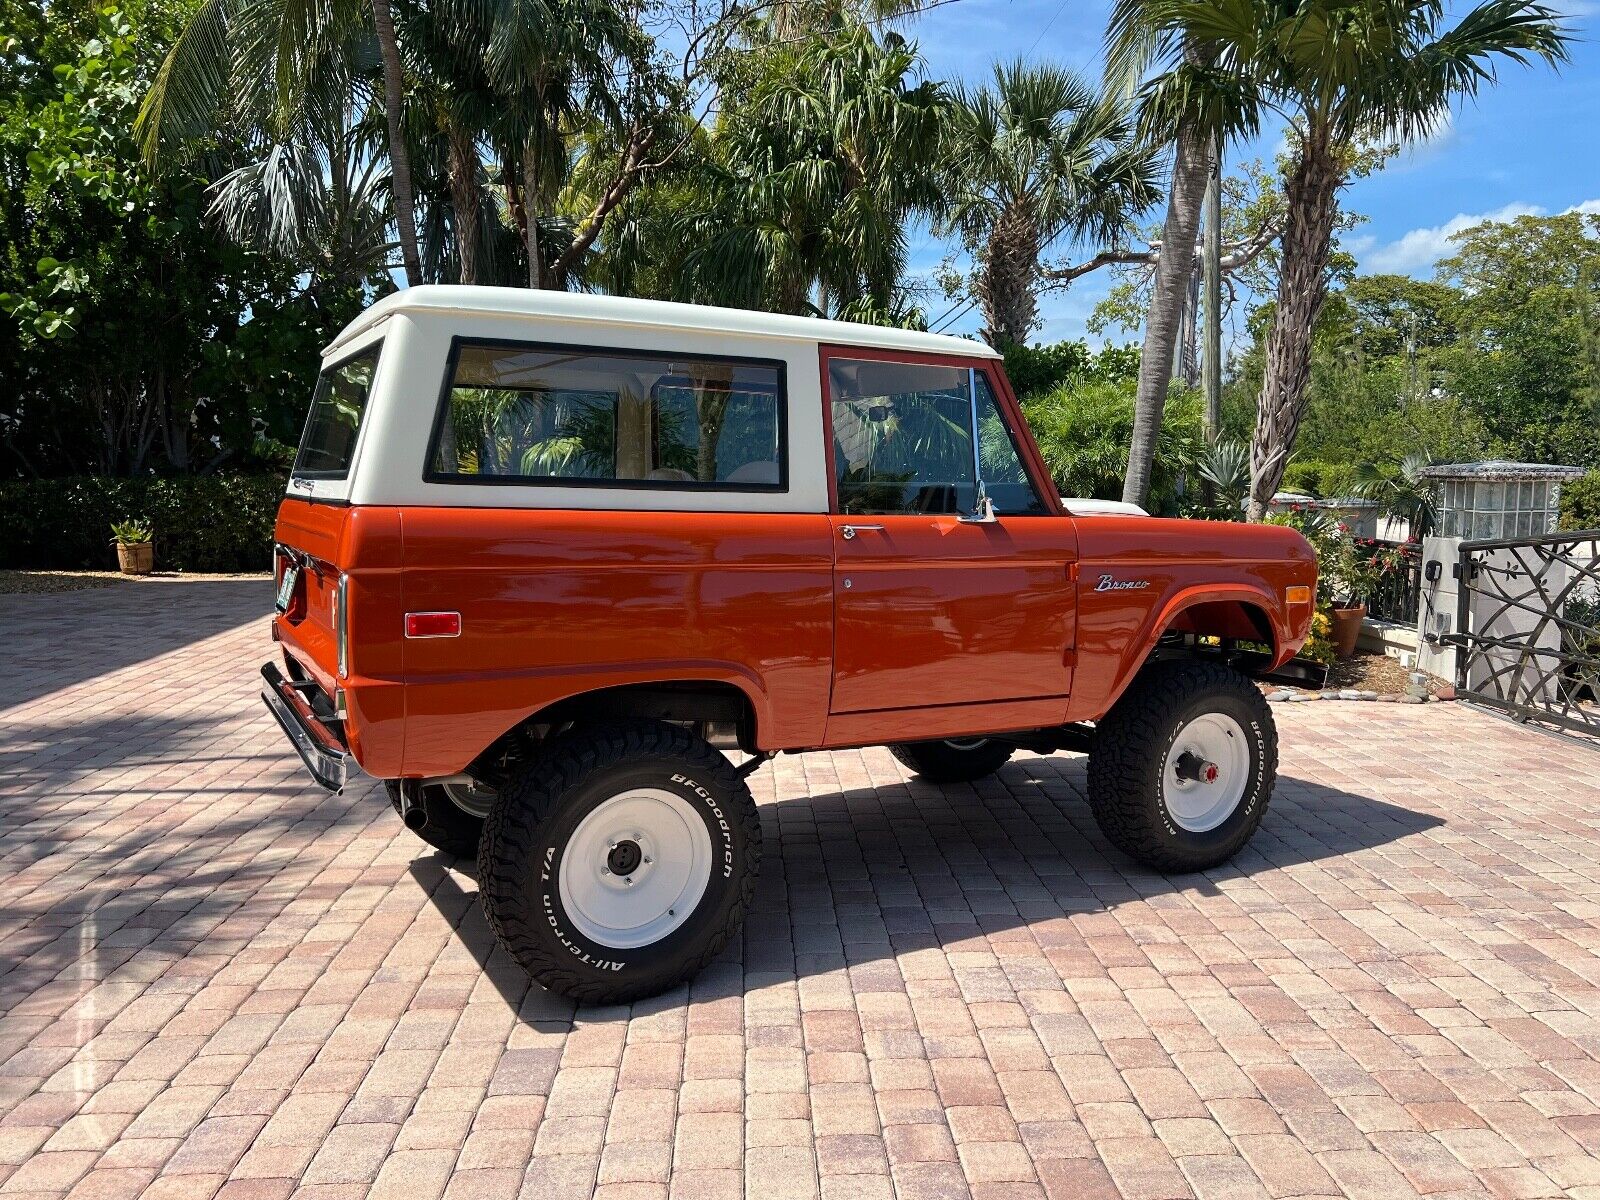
x,y
545,557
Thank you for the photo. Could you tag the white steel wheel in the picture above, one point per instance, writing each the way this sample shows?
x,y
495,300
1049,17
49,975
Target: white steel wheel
x,y
1206,772
635,868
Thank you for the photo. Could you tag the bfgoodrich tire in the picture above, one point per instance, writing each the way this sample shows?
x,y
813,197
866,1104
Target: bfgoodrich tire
x,y
1183,767
621,861
953,761
449,827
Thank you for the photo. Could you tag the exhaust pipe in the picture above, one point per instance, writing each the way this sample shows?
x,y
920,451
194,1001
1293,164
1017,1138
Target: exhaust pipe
x,y
412,812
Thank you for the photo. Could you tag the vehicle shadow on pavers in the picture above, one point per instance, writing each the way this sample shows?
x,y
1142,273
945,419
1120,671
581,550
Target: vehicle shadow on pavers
x,y
55,640
863,875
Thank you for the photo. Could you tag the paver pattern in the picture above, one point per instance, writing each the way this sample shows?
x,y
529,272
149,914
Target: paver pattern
x,y
216,980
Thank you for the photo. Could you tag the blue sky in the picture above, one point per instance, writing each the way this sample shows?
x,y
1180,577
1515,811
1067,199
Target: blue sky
x,y
1529,145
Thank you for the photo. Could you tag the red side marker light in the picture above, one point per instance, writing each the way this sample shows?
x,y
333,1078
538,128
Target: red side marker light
x,y
433,624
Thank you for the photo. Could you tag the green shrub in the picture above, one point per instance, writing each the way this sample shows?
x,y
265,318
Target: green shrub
x,y
1084,429
1580,502
1034,370
1319,479
201,523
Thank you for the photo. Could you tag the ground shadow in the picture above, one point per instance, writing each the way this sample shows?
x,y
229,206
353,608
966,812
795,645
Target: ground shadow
x,y
55,640
117,837
860,876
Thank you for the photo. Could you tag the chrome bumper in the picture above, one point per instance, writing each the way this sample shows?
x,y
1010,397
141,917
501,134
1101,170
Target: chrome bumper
x,y
319,748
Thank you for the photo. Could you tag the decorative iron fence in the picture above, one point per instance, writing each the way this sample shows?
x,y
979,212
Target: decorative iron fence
x,y
1398,591
1528,628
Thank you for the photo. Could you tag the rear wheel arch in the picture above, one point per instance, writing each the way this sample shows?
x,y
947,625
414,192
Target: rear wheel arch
x,y
715,709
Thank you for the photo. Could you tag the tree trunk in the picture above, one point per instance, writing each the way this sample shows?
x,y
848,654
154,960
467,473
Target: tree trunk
x,y
1212,270
530,204
464,198
1311,195
1168,303
405,211
1007,277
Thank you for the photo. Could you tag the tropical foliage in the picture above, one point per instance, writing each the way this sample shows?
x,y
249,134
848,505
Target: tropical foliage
x,y
195,193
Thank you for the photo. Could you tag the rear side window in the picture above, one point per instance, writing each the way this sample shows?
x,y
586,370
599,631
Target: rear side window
x,y
515,413
329,442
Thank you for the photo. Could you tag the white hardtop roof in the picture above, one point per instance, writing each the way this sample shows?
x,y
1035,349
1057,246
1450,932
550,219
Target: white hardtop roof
x,y
654,314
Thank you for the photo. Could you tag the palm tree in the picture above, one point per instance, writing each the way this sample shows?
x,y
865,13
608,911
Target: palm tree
x,y
1034,156
812,175
1403,492
549,66
257,60
1353,70
1202,93
315,198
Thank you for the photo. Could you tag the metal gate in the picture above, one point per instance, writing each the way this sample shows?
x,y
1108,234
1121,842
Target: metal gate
x,y
1528,628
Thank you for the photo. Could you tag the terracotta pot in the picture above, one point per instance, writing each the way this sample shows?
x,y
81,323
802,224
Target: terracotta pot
x,y
1347,628
139,558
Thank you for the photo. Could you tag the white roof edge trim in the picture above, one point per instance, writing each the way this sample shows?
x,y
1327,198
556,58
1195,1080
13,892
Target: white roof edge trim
x,y
617,311
352,332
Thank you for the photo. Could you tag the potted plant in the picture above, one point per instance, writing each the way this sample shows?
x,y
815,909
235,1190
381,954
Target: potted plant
x,y
136,553
1354,576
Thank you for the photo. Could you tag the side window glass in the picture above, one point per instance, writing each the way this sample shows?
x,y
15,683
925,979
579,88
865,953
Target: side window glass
x,y
540,415
902,441
902,437
1004,478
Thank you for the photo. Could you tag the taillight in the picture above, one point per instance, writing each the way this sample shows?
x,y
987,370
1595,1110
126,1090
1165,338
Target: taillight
x,y
433,624
341,624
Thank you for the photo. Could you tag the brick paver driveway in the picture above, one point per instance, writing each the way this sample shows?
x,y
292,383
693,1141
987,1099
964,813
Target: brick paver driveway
x,y
215,979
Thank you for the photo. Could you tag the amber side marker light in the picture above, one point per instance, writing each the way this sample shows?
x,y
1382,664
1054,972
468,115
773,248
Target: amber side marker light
x,y
1298,594
433,624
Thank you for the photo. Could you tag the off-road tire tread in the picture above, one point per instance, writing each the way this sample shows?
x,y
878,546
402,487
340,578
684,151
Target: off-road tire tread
x,y
938,763
507,848
1123,766
449,830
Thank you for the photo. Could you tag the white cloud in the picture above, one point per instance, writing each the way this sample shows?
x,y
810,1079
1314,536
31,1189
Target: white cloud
x,y
1421,248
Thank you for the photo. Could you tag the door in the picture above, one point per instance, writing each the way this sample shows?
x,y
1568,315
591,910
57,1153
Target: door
x,y
954,579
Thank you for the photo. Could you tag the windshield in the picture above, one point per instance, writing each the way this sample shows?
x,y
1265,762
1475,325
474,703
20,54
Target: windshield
x,y
341,397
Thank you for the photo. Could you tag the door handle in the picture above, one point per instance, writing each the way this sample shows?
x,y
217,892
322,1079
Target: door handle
x,y
848,532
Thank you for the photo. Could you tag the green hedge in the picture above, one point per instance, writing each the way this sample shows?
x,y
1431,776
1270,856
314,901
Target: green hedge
x,y
1319,478
202,523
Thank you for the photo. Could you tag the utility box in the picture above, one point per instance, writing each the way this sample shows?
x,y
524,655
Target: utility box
x,y
1438,600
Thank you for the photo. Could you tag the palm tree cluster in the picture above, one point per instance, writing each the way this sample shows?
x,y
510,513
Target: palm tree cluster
x,y
770,156
776,154
1346,74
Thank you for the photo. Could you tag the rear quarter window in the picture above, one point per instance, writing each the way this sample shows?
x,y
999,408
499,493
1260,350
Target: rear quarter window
x,y
525,413
337,407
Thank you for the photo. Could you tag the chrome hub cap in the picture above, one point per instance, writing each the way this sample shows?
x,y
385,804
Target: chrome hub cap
x,y
1206,772
967,744
635,868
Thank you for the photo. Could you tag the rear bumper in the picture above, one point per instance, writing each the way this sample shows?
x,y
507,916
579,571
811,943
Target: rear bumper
x,y
320,748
